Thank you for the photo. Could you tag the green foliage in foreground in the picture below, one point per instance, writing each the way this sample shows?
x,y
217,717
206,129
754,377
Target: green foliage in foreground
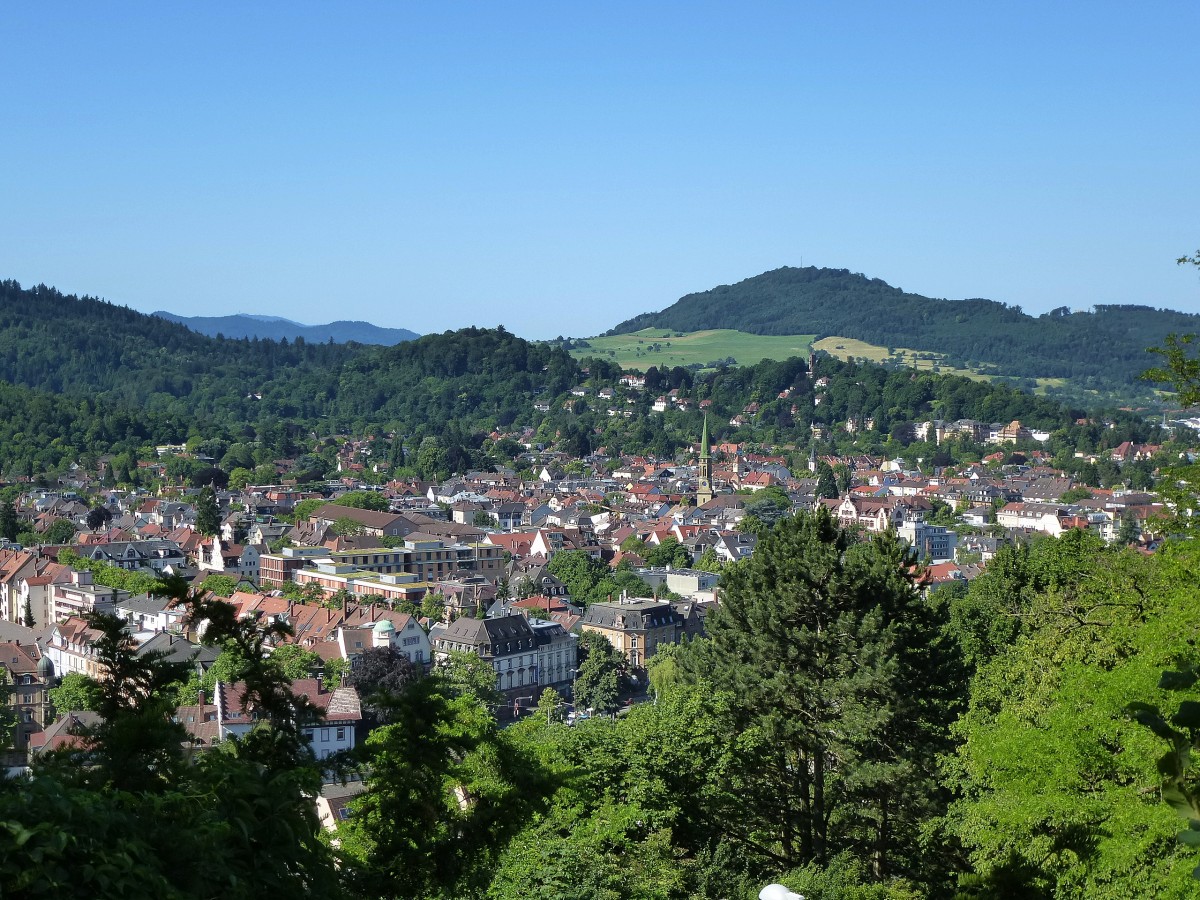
x,y
1057,786
74,692
825,735
126,812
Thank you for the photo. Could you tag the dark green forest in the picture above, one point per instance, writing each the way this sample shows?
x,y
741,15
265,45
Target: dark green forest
x,y
1104,349
87,379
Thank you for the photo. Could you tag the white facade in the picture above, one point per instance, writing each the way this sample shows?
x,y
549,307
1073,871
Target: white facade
x,y
409,639
933,543
558,652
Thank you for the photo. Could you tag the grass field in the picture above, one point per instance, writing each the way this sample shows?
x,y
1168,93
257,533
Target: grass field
x,y
844,348
661,347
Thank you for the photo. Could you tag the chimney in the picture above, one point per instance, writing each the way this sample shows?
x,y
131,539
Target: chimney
x,y
200,698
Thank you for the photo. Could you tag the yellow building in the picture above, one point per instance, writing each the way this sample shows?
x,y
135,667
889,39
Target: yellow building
x,y
635,628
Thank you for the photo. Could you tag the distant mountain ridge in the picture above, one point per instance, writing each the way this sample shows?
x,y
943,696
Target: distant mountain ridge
x,y
1102,349
244,325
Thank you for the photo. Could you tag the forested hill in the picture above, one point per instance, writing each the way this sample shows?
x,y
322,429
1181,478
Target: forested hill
x,y
81,345
1102,349
87,378
86,347
275,329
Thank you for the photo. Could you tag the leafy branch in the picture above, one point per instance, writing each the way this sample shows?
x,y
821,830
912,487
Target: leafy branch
x,y
1181,731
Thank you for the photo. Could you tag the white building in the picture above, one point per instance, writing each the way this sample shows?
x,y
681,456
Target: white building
x,y
339,711
81,595
557,653
933,543
404,636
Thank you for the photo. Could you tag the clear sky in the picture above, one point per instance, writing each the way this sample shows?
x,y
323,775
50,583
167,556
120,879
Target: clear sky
x,y
560,167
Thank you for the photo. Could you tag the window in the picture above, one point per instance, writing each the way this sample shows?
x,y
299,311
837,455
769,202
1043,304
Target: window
x,y
341,734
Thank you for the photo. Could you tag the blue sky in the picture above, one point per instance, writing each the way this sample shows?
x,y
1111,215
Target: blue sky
x,y
560,167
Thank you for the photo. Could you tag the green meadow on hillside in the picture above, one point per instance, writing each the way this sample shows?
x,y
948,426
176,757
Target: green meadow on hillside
x,y
849,348
662,347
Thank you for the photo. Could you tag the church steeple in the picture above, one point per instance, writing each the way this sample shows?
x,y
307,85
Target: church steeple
x,y
704,491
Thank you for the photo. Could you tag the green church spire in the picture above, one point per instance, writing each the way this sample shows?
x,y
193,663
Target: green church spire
x,y
704,491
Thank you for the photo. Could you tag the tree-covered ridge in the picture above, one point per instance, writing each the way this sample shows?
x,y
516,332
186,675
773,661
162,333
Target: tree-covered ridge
x,y
473,375
1104,348
67,344
442,395
274,328
91,349
89,379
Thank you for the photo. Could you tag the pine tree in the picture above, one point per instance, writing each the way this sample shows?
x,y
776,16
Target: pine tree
x,y
829,654
9,525
1129,532
27,616
826,484
208,514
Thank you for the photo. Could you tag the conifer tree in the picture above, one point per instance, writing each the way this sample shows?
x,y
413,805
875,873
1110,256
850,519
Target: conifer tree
x,y
208,514
826,483
9,525
829,655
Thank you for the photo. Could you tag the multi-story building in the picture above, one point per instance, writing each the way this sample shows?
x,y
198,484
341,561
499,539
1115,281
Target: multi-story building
x,y
684,582
337,713
404,635
506,642
557,651
153,554
933,543
276,568
26,674
636,628
14,565
394,573
81,595
71,648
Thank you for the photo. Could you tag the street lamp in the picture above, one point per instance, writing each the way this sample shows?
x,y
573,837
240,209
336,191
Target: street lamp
x,y
778,892
517,704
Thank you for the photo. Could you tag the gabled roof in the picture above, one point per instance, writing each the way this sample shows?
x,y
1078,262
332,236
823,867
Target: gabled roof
x,y
371,519
179,649
19,659
338,706
65,732
631,615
